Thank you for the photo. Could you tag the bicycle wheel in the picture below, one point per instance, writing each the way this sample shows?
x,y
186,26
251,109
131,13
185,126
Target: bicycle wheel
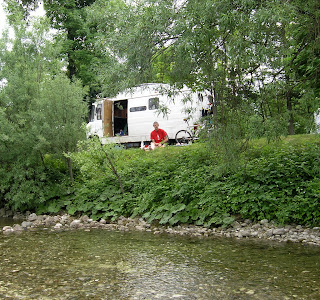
x,y
183,137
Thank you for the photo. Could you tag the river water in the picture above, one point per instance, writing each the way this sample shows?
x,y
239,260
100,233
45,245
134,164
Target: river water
x,y
101,264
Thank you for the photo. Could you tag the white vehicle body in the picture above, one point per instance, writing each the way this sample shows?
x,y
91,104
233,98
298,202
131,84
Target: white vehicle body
x,y
128,118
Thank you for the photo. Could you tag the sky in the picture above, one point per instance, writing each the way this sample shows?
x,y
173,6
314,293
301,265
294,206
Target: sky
x,y
2,17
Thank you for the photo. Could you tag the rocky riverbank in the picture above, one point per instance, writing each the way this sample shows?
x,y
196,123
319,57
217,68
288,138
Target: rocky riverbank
x,y
239,229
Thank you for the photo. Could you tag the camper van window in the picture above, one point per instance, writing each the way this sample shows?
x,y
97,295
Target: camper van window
x,y
138,108
98,111
153,103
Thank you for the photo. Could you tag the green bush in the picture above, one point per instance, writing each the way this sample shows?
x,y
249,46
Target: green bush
x,y
278,181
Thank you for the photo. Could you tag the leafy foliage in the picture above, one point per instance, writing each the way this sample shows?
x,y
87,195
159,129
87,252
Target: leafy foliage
x,y
41,115
257,61
254,57
176,185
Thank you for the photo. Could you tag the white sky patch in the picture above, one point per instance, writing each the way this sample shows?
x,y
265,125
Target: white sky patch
x,y
3,18
4,25
39,12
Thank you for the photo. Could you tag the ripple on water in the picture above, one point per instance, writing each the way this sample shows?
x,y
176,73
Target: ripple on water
x,y
111,265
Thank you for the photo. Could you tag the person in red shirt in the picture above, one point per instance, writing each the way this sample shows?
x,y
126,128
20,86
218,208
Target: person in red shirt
x,y
158,136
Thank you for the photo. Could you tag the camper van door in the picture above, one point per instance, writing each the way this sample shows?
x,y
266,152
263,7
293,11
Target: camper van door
x,y
107,118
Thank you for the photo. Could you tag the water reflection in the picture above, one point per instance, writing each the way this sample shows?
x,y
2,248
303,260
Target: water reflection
x,y
9,221
113,265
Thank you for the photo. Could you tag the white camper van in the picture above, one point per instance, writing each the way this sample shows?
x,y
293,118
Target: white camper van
x,y
128,118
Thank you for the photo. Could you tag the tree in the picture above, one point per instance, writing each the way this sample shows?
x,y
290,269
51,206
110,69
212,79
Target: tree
x,y
70,17
249,56
130,34
58,117
30,66
26,62
74,37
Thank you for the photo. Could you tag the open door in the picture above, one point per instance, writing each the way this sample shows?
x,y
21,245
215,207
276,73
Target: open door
x,y
107,118
120,117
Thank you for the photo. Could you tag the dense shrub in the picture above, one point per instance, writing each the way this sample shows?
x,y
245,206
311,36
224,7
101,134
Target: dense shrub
x,y
280,182
29,185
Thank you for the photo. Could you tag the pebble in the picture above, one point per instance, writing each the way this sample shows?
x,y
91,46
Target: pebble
x,y
278,231
58,226
32,217
264,229
7,229
75,224
26,224
17,227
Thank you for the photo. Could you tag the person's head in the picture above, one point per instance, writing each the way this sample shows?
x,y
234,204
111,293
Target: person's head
x,y
156,126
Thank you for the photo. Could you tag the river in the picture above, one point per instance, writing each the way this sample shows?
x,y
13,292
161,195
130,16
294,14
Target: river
x,y
101,264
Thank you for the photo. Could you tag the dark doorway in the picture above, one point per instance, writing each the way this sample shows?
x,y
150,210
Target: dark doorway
x,y
120,114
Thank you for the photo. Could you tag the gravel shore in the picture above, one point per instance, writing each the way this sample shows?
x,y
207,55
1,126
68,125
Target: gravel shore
x,y
244,229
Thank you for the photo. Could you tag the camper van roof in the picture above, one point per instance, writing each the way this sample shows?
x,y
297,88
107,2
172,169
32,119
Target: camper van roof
x,y
145,89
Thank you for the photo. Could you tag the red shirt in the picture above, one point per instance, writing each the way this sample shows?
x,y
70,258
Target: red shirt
x,y
158,136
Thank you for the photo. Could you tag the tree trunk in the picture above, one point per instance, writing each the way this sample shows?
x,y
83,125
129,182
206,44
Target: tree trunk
x,y
289,107
70,170
113,169
71,68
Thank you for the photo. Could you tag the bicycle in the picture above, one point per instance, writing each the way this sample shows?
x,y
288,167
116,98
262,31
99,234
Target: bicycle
x,y
187,136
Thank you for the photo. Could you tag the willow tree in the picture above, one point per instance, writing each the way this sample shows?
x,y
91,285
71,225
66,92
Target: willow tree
x,y
74,37
246,55
284,30
130,34
30,92
58,117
